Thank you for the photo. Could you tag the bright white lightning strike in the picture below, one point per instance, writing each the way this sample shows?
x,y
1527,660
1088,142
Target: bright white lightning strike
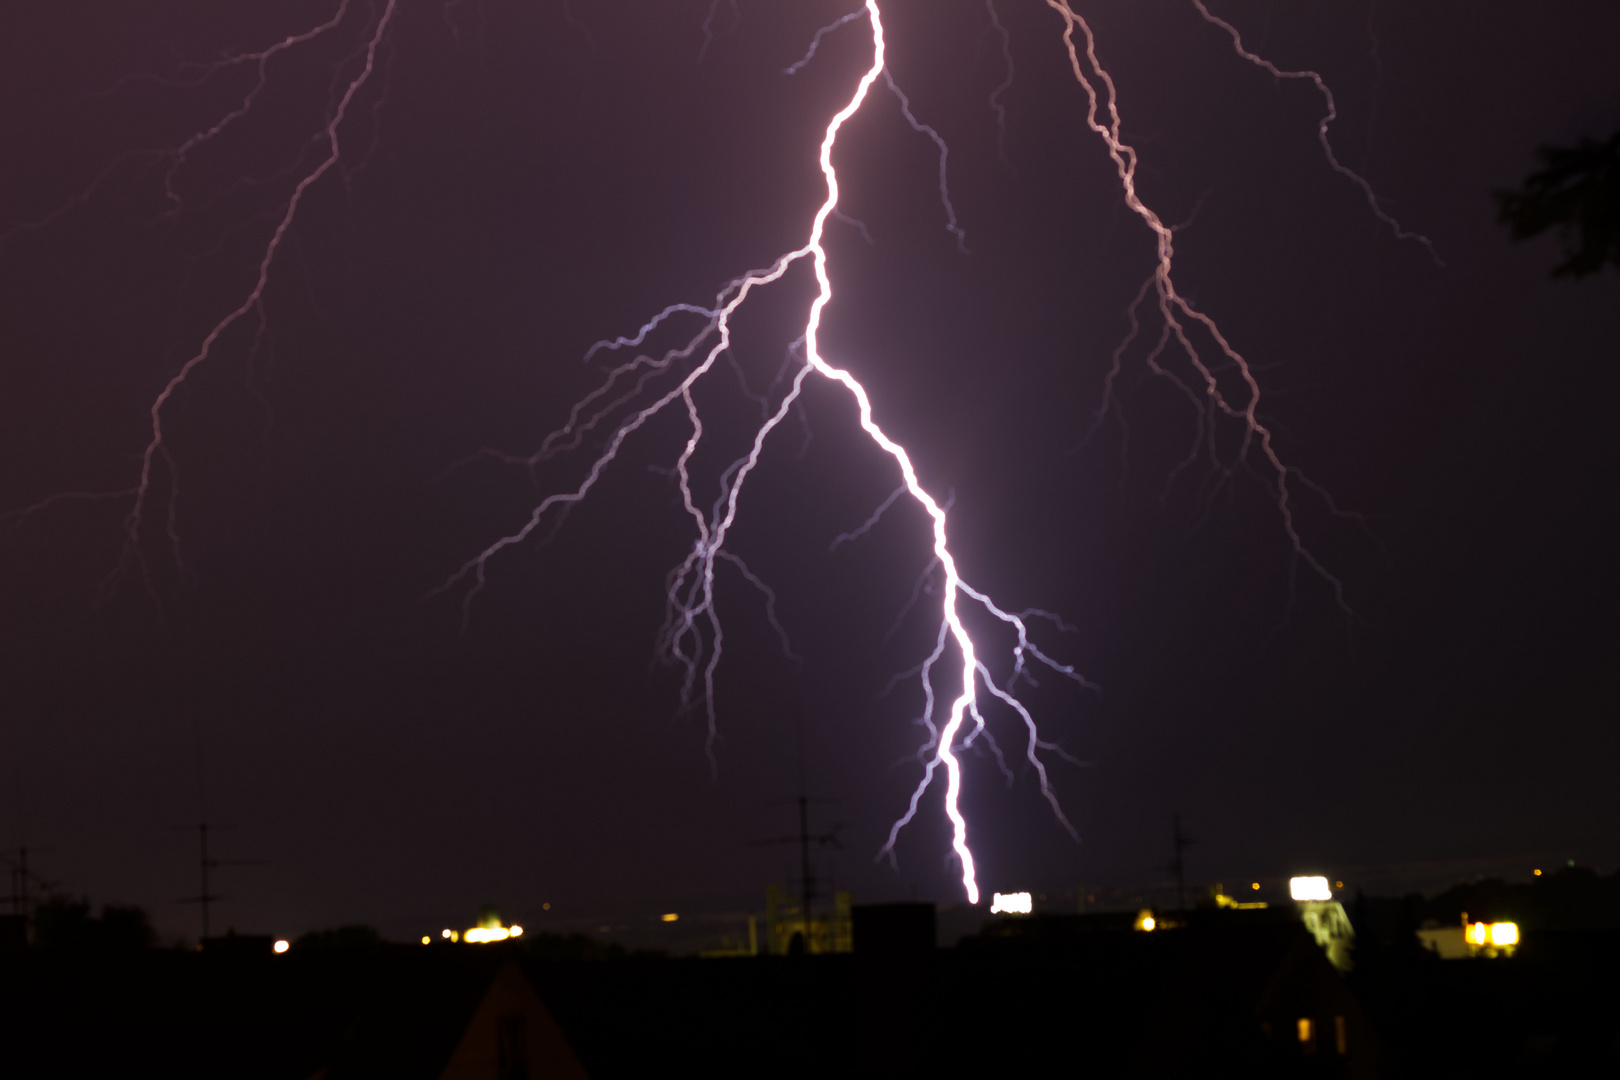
x,y
690,588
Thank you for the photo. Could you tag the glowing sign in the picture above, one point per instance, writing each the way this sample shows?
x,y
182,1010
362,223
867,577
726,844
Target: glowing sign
x,y
1309,888
1013,903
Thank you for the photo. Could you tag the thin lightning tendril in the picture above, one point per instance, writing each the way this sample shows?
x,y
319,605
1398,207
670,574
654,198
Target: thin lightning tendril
x,y
157,446
1177,312
815,42
997,106
944,158
1322,126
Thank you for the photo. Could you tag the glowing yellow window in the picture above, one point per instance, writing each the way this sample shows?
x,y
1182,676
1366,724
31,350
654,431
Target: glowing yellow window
x,y
1307,1033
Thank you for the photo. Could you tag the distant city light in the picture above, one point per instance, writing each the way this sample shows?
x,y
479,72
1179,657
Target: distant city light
x,y
1338,884
670,917
1538,873
283,945
483,935
1309,888
1490,939
1255,886
1145,920
517,931
1012,903
426,940
547,907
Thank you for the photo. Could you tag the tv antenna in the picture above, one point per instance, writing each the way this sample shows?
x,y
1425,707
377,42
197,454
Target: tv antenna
x,y
22,901
804,838
1179,842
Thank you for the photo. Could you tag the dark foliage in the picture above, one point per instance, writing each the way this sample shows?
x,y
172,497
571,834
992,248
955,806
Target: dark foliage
x,y
64,924
1572,898
565,948
1578,193
357,936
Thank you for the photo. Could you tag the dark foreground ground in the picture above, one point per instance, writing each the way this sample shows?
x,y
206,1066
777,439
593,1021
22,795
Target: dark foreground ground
x,y
1218,997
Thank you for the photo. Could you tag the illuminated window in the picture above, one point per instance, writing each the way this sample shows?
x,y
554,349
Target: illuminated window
x,y
1307,1033
1341,1035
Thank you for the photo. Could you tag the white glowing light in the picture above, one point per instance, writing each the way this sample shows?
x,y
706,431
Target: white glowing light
x,y
516,931
1504,933
1016,903
1148,923
282,945
483,935
1309,888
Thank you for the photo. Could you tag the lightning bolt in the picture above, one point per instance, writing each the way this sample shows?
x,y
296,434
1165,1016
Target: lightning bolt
x,y
957,677
1322,126
693,637
1178,317
156,450
996,104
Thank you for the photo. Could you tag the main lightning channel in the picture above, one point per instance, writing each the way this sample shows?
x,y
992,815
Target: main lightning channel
x,y
690,589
